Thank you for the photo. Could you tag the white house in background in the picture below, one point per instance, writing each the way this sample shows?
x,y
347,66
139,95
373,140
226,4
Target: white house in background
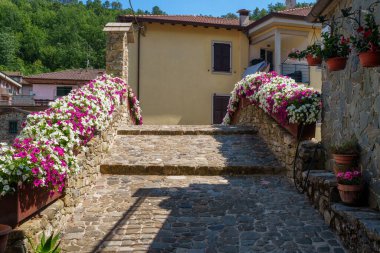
x,y
274,36
8,88
47,87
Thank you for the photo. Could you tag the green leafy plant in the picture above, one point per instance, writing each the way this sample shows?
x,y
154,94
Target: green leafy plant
x,y
335,45
315,50
367,38
346,148
49,245
297,54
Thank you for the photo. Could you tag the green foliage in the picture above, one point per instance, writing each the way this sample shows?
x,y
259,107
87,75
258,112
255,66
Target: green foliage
x,y
367,37
335,45
230,15
50,35
49,245
259,13
347,148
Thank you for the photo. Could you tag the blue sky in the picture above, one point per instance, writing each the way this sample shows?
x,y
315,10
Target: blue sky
x,y
205,7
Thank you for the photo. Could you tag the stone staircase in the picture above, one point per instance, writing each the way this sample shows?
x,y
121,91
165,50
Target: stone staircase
x,y
189,150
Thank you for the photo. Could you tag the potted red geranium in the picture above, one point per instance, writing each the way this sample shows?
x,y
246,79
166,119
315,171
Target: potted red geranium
x,y
367,42
312,53
350,186
335,50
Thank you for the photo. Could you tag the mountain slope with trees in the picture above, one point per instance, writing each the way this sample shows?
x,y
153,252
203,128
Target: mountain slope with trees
x,y
48,35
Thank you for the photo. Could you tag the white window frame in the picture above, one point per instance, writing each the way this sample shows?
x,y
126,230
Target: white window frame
x,y
212,57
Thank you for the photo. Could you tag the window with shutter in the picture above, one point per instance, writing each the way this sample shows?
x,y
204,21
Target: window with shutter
x,y
221,57
63,91
13,127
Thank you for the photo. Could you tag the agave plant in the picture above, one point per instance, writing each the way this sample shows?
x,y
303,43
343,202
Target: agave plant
x,y
49,245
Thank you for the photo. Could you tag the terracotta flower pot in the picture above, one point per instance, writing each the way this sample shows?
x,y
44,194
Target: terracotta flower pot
x,y
4,231
345,158
370,59
344,162
350,194
313,61
336,63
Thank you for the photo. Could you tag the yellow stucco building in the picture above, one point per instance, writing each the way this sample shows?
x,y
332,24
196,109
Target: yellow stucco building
x,y
184,67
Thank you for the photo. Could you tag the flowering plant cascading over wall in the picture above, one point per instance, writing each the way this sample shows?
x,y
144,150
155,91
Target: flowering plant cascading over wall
x,y
45,151
276,95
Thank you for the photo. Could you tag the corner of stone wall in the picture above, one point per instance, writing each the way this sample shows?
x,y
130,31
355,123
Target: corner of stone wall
x,y
281,143
55,217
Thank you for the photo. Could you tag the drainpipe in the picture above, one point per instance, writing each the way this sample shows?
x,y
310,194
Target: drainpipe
x,y
138,62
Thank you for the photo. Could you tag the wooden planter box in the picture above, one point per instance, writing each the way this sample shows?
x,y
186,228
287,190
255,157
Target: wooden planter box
x,y
26,201
293,129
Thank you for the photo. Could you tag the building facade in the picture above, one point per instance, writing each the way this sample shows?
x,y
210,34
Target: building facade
x,y
184,67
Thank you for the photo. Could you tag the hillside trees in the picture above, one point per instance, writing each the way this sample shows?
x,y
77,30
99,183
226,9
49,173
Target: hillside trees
x,y
49,35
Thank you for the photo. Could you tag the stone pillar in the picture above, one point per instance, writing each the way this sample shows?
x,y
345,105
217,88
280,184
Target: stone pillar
x,y
277,51
118,37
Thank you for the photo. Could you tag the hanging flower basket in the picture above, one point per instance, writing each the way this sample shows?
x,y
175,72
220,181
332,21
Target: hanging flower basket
x,y
370,59
26,201
4,232
313,61
336,63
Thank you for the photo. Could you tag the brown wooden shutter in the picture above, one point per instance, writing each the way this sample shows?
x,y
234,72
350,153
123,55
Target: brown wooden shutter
x,y
222,57
220,104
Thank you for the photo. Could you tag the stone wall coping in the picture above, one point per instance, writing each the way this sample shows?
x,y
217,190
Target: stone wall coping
x,y
326,178
369,219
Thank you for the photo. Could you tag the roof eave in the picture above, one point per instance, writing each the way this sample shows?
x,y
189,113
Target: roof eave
x,y
180,22
275,15
318,9
33,80
10,80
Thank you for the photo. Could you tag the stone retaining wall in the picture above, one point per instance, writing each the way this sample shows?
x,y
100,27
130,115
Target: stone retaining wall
x,y
357,227
280,141
351,105
55,217
5,117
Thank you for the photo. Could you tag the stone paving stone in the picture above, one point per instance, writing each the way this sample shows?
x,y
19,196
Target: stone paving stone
x,y
185,130
197,214
190,155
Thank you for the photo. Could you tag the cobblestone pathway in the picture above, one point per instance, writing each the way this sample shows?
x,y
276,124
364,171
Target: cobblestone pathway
x,y
189,150
197,214
189,213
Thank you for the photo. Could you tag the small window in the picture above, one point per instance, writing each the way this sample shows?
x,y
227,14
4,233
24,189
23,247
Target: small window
x,y
13,127
221,57
63,91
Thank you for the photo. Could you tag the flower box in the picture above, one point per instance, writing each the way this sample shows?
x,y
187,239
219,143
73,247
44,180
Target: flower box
x,y
295,129
26,201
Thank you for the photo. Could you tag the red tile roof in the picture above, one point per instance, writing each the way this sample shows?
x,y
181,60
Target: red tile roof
x,y
72,74
212,21
184,19
304,11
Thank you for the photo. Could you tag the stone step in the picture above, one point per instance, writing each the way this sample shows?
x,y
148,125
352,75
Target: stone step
x,y
185,130
190,155
177,170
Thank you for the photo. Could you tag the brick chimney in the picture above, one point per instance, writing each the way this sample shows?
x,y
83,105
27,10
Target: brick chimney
x,y
243,17
290,4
